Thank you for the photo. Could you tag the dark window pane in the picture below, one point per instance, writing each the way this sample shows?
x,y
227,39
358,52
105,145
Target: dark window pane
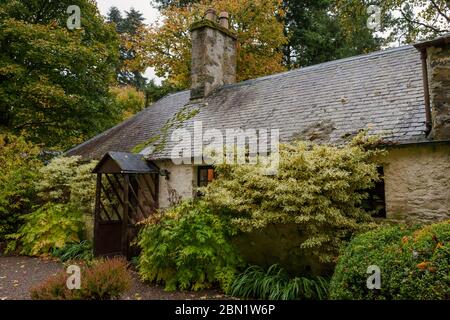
x,y
376,201
205,175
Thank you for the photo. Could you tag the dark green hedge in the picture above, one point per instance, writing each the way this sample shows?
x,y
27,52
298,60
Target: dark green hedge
x,y
414,264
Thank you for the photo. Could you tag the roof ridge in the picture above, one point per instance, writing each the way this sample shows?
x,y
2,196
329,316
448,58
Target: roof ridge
x,y
321,65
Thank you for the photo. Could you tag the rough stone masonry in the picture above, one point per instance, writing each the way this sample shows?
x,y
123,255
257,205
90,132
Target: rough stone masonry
x,y
213,55
439,82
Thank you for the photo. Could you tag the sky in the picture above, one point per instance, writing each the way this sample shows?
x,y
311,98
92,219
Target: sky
x,y
145,7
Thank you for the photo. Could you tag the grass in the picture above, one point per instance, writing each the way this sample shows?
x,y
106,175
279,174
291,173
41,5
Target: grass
x,y
75,251
276,284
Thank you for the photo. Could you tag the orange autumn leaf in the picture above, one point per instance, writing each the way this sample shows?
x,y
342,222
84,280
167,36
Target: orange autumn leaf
x,y
422,265
257,23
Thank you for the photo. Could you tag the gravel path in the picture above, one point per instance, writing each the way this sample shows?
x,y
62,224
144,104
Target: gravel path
x,y
19,274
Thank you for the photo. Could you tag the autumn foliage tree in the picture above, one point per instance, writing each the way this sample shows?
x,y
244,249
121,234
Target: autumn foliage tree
x,y
132,32
258,25
54,82
128,99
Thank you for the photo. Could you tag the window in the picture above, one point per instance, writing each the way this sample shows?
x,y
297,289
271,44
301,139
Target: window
x,y
4,116
377,201
205,176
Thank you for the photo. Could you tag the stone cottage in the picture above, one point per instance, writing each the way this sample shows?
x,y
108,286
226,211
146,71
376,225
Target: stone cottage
x,y
402,94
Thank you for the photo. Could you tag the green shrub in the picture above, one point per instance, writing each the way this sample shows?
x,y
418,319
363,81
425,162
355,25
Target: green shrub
x,y
68,180
49,227
275,284
105,279
74,251
188,248
65,189
19,165
414,264
320,188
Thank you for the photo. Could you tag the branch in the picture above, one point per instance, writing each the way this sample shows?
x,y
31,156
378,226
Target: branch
x,y
439,10
420,23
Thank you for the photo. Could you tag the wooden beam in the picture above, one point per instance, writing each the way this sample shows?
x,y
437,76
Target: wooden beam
x,y
149,186
114,188
117,181
149,201
156,180
111,202
105,211
125,215
97,210
155,203
137,201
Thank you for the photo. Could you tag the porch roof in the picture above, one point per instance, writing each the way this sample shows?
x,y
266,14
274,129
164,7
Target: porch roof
x,y
124,162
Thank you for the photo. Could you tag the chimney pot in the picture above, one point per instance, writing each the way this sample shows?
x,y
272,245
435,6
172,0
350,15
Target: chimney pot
x,y
223,19
211,15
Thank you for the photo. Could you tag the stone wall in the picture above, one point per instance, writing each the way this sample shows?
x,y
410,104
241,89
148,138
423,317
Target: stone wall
x,y
179,186
417,189
417,183
438,60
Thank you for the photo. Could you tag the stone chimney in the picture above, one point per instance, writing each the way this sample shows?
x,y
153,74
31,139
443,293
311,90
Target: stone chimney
x,y
436,73
213,54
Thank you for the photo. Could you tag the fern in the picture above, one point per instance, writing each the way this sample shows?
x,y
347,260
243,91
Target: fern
x,y
50,227
188,249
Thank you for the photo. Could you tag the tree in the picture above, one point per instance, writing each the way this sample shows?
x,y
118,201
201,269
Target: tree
x,y
324,30
115,16
19,166
54,82
315,30
164,4
129,100
402,21
318,32
132,34
258,27
154,92
417,20
133,21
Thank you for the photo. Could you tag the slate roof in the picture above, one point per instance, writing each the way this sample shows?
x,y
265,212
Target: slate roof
x,y
128,162
382,91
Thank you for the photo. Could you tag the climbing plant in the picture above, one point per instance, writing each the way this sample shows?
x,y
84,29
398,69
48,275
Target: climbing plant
x,y
320,188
